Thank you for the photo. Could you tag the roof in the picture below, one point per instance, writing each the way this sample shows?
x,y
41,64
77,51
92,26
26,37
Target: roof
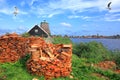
x,y
36,26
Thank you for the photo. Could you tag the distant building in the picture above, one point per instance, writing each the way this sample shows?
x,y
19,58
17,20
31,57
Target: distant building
x,y
42,30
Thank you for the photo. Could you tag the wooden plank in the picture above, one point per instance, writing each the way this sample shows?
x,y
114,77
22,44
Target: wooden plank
x,y
67,46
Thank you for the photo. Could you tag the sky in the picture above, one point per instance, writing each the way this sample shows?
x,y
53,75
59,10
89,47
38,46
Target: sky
x,y
65,17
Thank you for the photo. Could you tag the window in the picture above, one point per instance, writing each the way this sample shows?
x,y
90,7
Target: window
x,y
36,30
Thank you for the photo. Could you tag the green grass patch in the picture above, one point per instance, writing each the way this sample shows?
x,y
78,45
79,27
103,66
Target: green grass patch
x,y
61,40
108,73
16,71
81,70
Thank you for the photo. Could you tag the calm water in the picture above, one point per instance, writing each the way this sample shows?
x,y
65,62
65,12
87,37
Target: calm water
x,y
111,44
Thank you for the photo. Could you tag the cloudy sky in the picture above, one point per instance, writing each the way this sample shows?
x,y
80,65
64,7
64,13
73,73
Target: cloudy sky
x,y
71,17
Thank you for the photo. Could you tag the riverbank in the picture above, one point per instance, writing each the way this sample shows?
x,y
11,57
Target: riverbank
x,y
110,44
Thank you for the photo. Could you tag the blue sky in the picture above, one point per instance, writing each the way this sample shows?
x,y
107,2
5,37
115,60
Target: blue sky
x,y
71,17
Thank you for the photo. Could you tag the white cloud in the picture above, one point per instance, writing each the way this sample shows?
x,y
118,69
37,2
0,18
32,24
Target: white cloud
x,y
58,7
114,10
66,24
6,11
82,17
86,17
55,7
10,11
112,17
78,5
22,12
31,2
73,16
22,28
54,13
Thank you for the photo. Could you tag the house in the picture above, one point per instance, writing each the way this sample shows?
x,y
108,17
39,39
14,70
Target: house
x,y
42,30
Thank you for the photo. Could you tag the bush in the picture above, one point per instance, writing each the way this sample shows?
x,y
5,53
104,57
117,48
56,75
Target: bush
x,y
116,58
93,51
25,34
61,40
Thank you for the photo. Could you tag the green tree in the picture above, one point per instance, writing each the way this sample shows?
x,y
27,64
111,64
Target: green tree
x,y
25,34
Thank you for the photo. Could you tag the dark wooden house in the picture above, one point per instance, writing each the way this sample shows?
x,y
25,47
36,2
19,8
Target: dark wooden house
x,y
42,30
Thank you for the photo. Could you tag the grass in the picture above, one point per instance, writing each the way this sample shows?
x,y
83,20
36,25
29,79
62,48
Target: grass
x,y
16,71
61,40
80,67
84,54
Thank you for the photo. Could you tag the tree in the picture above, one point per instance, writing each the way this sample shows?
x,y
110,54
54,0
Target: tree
x,y
25,34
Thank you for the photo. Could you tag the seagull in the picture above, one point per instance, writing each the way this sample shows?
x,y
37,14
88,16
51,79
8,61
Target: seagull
x,y
109,5
16,11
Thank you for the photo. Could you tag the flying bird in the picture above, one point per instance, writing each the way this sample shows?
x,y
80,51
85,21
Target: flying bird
x,y
16,11
108,6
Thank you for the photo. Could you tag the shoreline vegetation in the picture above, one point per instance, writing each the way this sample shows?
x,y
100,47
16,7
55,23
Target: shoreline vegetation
x,y
87,60
91,36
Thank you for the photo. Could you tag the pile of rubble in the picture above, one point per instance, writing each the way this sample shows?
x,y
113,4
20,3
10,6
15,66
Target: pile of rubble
x,y
117,71
12,47
49,60
106,65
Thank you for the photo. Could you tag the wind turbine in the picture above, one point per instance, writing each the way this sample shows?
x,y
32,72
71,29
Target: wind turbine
x,y
16,11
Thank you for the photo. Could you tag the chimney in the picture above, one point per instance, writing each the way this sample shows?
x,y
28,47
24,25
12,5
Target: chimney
x,y
45,26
